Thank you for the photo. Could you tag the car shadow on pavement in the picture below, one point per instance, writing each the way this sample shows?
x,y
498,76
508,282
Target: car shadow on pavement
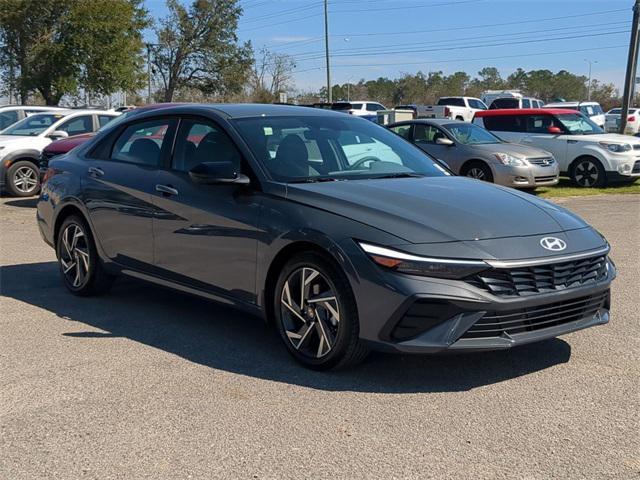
x,y
23,202
222,338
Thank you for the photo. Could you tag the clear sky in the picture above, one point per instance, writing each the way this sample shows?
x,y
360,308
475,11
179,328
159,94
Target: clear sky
x,y
373,38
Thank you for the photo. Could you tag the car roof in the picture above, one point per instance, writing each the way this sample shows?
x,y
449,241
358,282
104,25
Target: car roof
x,y
523,111
247,110
571,104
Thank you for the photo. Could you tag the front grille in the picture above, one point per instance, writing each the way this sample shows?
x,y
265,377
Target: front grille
x,y
548,178
636,167
541,161
530,319
524,281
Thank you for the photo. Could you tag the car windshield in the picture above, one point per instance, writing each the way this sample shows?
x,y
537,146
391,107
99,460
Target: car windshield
x,y
324,148
33,125
578,124
470,134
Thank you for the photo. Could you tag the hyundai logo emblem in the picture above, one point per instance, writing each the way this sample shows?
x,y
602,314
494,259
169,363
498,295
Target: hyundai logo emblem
x,y
554,244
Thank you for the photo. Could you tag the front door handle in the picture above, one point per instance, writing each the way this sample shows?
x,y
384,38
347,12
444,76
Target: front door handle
x,y
95,172
166,190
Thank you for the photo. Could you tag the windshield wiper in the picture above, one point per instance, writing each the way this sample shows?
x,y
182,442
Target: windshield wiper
x,y
314,180
400,175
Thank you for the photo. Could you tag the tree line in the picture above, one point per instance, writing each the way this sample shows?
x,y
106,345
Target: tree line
x,y
83,49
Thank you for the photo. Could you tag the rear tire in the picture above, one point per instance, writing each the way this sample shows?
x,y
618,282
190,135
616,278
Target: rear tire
x,y
588,172
23,179
478,170
320,335
80,266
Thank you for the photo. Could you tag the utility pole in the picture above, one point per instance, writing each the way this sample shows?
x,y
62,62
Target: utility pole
x,y
632,60
148,73
589,84
326,48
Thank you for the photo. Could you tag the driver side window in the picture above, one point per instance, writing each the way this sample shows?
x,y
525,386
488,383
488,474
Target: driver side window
x,y
199,141
426,134
77,125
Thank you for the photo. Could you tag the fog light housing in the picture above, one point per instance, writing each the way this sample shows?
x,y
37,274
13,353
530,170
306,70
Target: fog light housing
x,y
625,168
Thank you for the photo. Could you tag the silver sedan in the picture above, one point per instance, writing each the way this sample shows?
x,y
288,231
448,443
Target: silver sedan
x,y
472,151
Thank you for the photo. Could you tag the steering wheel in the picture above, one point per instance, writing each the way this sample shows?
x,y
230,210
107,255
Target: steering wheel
x,y
364,160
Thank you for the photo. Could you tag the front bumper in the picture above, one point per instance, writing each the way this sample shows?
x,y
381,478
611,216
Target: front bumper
x,y
412,314
526,176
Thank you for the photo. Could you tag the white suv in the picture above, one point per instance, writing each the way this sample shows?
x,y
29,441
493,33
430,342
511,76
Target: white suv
x,y
22,143
589,156
10,114
365,109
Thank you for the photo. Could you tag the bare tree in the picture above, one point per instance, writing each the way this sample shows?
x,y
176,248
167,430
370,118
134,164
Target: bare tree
x,y
272,74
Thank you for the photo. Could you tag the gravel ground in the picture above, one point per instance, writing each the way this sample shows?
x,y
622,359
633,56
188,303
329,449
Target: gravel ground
x,y
147,383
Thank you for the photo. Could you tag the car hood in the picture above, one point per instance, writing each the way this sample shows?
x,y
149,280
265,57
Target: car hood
x,y
66,144
437,209
5,139
512,149
607,137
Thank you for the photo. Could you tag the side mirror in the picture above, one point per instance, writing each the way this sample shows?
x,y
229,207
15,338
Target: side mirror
x,y
554,130
444,141
58,134
212,173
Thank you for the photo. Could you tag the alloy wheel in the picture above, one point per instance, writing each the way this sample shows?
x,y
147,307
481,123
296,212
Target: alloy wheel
x,y
586,173
310,312
25,179
74,255
476,173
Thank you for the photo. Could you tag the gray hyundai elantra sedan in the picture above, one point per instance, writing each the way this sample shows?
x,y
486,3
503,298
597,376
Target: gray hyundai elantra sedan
x,y
339,232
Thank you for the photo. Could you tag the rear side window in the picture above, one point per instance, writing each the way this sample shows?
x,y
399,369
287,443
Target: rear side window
x,y
8,118
104,119
505,123
504,103
374,107
452,102
403,130
526,103
142,143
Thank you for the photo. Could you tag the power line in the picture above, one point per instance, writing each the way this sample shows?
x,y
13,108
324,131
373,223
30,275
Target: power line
x,y
431,5
282,13
463,59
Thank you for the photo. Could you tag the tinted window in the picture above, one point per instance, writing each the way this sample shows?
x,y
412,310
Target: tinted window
x,y
8,118
357,106
200,141
452,102
309,148
616,111
540,123
526,103
77,125
504,103
374,107
505,123
104,119
141,143
403,130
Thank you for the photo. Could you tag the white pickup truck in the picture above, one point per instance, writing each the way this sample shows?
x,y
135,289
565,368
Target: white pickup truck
x,y
455,108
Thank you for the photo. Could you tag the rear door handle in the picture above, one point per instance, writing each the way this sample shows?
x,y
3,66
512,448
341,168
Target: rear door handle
x,y
166,190
95,172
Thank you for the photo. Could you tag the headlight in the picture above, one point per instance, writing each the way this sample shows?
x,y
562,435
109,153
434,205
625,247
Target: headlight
x,y
616,147
510,160
424,266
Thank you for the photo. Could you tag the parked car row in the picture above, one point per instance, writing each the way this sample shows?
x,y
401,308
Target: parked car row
x,y
22,143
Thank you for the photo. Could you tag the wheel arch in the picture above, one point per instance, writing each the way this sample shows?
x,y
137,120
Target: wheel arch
x,y
471,161
584,156
27,155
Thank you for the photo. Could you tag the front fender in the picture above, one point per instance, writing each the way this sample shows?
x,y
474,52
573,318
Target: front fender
x,y
591,150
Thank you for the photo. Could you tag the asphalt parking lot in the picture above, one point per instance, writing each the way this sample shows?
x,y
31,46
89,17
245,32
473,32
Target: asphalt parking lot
x,y
146,383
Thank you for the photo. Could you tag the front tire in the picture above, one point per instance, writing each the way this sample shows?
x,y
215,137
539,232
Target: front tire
x,y
23,179
80,266
316,314
588,172
479,171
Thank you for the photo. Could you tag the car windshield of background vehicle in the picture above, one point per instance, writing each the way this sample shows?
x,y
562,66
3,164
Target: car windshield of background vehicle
x,y
328,148
33,125
578,124
470,134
